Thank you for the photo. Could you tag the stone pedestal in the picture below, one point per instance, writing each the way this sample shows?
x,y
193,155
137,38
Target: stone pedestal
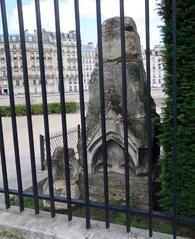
x,y
60,190
59,184
138,189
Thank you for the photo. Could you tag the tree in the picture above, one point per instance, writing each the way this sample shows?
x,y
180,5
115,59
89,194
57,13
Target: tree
x,y
185,108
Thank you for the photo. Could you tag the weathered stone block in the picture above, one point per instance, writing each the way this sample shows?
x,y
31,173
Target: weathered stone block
x,y
138,189
60,190
58,170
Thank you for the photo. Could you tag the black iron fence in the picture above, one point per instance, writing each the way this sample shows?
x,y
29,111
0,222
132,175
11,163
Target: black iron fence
x,y
56,141
86,203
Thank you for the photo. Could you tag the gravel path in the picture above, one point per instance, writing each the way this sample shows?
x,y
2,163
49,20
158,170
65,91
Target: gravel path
x,y
38,128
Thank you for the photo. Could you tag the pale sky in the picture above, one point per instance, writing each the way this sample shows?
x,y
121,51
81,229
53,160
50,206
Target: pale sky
x,y
110,8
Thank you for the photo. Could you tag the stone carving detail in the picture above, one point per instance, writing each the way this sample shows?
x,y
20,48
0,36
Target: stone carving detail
x,y
59,178
115,151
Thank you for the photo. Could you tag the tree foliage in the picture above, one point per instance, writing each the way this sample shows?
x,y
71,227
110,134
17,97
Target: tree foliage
x,y
185,168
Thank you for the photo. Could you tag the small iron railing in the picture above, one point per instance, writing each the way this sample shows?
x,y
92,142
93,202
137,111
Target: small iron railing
x,y
56,140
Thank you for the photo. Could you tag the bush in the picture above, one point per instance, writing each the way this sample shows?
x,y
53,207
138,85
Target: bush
x,y
185,170
37,109
71,107
5,110
20,110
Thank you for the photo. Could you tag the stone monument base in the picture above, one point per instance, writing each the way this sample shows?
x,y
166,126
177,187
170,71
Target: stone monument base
x,y
60,190
138,189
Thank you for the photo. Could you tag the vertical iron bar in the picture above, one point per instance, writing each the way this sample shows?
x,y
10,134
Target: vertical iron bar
x,y
79,132
174,30
42,152
149,115
63,108
28,106
4,167
45,106
125,116
12,104
82,108
102,106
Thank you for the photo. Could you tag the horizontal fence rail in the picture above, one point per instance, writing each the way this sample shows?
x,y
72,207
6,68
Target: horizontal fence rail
x,y
76,137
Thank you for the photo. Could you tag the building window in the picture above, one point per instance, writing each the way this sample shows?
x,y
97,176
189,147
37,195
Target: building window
x,y
75,88
17,83
34,82
5,91
32,56
70,88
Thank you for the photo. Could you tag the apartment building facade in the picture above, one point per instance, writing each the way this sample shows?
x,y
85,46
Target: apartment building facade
x,y
70,66
88,54
156,66
32,61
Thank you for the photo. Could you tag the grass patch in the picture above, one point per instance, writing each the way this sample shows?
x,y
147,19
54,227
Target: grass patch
x,y
28,202
13,235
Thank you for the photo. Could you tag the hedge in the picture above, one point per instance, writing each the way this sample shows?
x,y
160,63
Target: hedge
x,y
185,135
37,109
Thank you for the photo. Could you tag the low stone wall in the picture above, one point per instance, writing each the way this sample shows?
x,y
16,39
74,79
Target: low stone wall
x,y
37,98
138,189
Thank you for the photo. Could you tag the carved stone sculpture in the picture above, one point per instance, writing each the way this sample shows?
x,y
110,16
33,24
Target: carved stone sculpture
x,y
137,109
136,98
